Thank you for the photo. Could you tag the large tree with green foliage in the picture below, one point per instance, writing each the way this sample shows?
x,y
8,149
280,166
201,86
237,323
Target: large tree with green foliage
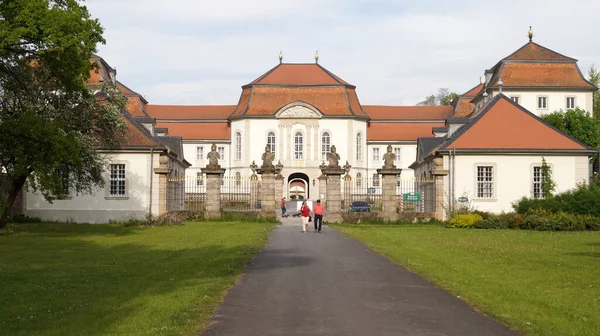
x,y
444,97
577,123
50,123
594,78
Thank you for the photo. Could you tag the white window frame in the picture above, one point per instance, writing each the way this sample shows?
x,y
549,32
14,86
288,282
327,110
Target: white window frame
x,y
481,182
117,179
221,151
238,179
325,144
272,141
298,146
376,154
238,145
567,102
376,180
199,179
516,99
536,180
359,180
539,102
199,153
359,146
397,152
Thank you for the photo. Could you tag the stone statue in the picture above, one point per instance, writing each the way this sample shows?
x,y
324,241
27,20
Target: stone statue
x,y
333,158
253,167
389,158
268,158
213,157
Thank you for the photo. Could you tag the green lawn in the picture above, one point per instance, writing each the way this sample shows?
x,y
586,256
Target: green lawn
x,y
540,283
75,279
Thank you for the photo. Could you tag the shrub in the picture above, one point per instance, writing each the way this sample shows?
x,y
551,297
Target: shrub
x,y
583,200
502,221
464,221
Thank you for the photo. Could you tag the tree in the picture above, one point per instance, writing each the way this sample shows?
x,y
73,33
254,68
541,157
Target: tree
x,y
594,77
577,123
548,185
444,97
51,124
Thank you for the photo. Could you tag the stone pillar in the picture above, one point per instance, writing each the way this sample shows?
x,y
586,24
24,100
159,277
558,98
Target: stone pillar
x,y
212,208
389,203
347,192
322,189
278,189
163,173
438,173
268,203
254,192
333,195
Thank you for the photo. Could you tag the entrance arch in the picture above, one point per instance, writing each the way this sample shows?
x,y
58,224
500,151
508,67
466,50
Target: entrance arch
x,y
298,186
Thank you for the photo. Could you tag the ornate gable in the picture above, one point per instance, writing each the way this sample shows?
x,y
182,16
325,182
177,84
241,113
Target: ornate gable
x,y
298,110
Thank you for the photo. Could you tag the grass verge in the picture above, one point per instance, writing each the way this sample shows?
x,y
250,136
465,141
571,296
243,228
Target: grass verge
x,y
541,283
77,279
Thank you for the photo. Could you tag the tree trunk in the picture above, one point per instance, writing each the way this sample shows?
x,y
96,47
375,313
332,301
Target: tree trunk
x,y
15,188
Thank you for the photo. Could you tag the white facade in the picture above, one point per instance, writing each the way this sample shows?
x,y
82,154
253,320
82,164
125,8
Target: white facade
x,y
553,100
512,177
140,196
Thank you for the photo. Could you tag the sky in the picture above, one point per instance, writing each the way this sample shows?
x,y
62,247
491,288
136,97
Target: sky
x,y
396,52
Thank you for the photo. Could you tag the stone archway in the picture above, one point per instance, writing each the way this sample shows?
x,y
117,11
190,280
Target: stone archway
x,y
298,186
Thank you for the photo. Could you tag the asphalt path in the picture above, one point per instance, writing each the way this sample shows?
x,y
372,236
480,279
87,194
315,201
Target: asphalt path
x,y
328,284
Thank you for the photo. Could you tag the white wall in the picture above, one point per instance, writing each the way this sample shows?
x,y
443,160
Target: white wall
x,y
556,100
408,155
100,207
513,177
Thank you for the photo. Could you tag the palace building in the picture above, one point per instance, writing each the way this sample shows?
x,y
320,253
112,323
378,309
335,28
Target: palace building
x,y
491,135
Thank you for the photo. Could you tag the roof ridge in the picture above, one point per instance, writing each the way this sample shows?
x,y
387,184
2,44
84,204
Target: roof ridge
x,y
566,58
142,129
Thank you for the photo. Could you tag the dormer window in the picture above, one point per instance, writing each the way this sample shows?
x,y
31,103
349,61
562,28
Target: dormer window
x,y
515,99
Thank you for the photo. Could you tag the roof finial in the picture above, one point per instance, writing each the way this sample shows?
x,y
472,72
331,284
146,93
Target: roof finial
x,y
280,56
500,83
317,57
530,34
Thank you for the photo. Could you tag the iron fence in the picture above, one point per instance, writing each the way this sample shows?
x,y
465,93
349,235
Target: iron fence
x,y
415,195
361,195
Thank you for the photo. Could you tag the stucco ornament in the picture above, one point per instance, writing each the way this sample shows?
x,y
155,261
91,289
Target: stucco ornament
x,y
333,158
213,157
388,158
268,157
299,111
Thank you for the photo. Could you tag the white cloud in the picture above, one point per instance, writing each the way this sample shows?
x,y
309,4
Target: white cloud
x,y
395,52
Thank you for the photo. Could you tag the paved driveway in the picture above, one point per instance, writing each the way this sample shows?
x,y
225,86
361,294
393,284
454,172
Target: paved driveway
x,y
328,284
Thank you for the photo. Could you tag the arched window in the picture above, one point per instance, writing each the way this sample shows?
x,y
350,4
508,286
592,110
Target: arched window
x,y
325,145
238,179
238,146
271,141
298,153
359,147
358,180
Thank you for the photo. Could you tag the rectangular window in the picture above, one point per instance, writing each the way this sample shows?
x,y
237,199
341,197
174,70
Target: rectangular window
x,y
359,147
375,180
570,102
515,99
199,153
537,182
397,153
117,180
199,179
542,102
64,181
221,151
375,154
485,181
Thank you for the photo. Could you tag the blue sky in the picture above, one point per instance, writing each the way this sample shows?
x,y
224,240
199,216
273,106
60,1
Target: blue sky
x,y
197,52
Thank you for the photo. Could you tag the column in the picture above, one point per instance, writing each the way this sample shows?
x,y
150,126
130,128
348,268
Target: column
x,y
322,188
438,173
163,183
334,195
212,208
267,194
389,203
279,143
278,189
289,143
308,144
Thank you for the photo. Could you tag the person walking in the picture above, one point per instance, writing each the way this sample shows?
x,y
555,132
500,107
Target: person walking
x,y
283,208
304,214
318,210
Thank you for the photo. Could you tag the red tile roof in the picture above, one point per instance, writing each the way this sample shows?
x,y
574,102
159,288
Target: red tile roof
x,y
298,74
464,108
400,131
535,52
542,74
207,112
134,107
474,91
198,131
505,125
377,112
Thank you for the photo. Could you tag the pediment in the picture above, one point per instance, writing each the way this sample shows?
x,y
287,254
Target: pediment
x,y
298,110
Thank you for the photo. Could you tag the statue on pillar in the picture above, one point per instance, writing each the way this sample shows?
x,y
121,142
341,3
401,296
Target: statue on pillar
x,y
268,158
347,167
213,157
253,167
388,158
333,158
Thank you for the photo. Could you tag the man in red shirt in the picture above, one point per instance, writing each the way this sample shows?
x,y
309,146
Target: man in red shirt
x,y
318,210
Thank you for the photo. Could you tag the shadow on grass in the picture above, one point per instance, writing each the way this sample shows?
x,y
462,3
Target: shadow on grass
x,y
58,229
587,254
63,286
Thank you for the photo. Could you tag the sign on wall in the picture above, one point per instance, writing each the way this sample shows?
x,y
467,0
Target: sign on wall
x,y
412,197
